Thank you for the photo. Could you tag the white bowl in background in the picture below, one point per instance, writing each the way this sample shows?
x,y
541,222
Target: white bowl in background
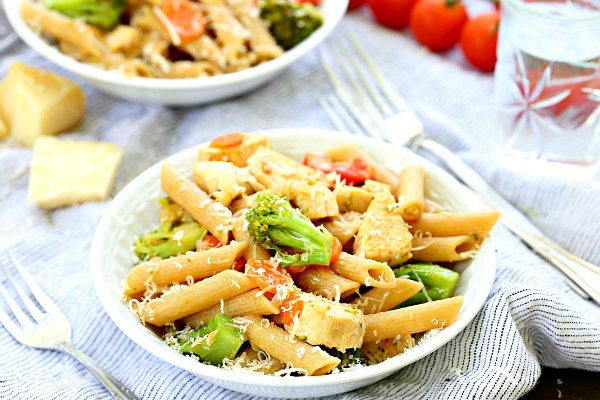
x,y
178,92
135,209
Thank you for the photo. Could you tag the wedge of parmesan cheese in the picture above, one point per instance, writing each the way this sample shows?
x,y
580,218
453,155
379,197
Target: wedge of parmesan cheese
x,y
65,172
36,102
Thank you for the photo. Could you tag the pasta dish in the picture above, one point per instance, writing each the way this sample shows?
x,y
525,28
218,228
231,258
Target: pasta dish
x,y
172,38
269,265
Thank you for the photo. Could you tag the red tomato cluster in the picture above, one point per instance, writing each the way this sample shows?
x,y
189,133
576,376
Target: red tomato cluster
x,y
440,24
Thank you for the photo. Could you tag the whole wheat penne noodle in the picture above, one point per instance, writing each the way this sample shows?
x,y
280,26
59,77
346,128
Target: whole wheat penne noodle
x,y
169,271
364,271
326,283
349,152
444,249
378,299
414,319
276,342
205,48
344,226
240,234
456,223
243,203
209,213
411,192
251,302
351,198
431,206
180,303
261,40
77,33
231,34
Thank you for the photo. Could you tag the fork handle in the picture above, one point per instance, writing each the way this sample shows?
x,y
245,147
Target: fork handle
x,y
581,272
115,388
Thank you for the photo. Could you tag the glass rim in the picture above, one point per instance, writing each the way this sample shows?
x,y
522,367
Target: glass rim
x,y
521,5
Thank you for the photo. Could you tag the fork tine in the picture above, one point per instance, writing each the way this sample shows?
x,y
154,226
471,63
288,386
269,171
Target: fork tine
x,y
40,296
375,95
16,310
346,99
33,309
339,115
356,88
8,323
383,83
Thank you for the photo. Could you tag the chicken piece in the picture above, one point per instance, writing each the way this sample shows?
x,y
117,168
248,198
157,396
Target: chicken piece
x,y
350,198
315,201
383,235
220,179
239,154
329,323
271,169
344,226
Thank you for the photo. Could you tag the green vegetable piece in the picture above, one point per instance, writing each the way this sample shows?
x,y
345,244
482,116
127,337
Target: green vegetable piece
x,y
165,244
218,340
290,22
349,358
276,225
439,282
101,13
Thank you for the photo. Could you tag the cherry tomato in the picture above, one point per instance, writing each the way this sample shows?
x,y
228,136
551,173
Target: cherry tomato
x,y
227,140
437,24
209,242
239,264
313,2
353,172
267,275
479,39
354,4
336,250
394,14
186,17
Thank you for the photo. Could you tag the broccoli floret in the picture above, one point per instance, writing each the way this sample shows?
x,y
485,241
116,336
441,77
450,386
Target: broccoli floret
x,y
276,225
168,243
290,22
102,13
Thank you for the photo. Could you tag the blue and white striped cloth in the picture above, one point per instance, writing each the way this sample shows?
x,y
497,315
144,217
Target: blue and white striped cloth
x,y
532,317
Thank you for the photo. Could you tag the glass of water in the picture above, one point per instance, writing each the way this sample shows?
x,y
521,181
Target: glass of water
x,y
547,84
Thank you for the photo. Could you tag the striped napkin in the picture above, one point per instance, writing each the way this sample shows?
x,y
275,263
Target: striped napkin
x,y
531,318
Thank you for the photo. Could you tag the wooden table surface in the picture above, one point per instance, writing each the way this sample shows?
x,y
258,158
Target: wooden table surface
x,y
566,384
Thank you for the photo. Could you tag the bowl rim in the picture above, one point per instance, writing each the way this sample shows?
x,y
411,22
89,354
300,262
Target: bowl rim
x,y
337,10
383,369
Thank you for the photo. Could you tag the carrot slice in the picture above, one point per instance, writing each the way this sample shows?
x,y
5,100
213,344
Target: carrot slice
x,y
290,307
267,276
227,140
186,17
336,250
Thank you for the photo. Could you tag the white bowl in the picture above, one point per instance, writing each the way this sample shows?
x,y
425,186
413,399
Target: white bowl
x,y
178,92
135,209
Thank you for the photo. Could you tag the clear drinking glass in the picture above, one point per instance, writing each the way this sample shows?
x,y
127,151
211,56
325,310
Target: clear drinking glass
x,y
547,84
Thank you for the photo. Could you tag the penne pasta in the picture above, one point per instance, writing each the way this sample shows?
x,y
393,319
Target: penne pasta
x,y
188,300
444,249
456,223
276,342
325,283
173,270
350,152
414,319
411,189
379,299
364,271
85,38
209,213
251,302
